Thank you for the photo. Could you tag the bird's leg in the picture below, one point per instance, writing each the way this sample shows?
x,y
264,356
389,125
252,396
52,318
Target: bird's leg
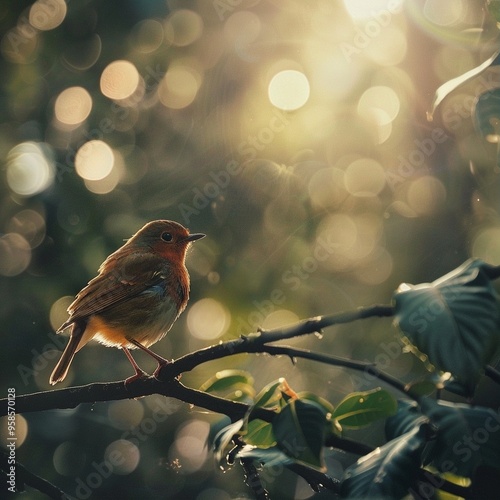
x,y
161,361
138,372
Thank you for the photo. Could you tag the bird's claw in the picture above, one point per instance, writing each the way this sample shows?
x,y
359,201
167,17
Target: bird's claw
x,y
159,368
138,375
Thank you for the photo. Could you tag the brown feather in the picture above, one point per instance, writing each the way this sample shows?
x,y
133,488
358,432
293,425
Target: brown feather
x,y
130,275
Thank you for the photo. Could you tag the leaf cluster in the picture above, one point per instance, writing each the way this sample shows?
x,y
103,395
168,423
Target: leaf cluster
x,y
453,325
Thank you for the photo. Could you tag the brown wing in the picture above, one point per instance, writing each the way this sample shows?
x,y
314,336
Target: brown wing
x,y
122,275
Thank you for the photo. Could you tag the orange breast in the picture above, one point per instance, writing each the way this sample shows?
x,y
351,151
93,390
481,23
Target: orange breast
x,y
102,332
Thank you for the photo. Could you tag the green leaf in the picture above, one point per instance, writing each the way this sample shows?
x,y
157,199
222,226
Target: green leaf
x,y
310,396
494,9
300,431
428,384
448,87
226,380
259,433
389,471
485,113
406,419
224,438
455,320
268,396
362,408
467,436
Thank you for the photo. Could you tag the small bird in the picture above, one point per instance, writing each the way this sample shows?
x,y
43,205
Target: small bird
x,y
141,289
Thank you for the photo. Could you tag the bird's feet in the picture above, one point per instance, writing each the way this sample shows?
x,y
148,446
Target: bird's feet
x,y
159,368
138,372
138,375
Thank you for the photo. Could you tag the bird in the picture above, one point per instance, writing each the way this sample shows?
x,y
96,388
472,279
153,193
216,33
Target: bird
x,y
138,293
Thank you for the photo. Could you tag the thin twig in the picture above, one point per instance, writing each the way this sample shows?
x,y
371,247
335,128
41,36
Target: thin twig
x,y
368,368
313,325
252,343
493,373
24,477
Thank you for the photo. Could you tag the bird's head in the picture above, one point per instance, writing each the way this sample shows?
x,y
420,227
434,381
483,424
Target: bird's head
x,y
166,238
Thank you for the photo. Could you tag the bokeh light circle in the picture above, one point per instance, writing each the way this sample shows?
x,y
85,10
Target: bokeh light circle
x,y
30,169
68,459
29,224
147,35
183,27
179,86
444,12
379,99
119,80
208,319
289,90
364,177
73,106
363,9
21,430
426,195
94,160
191,445
59,311
122,457
46,15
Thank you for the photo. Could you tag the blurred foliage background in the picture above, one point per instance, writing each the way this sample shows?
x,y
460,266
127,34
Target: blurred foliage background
x,y
293,134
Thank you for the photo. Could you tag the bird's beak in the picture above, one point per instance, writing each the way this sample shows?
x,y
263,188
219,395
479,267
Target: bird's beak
x,y
195,236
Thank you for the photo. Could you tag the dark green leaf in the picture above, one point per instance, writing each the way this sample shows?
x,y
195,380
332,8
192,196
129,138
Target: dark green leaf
x,y
389,471
226,380
407,418
467,436
300,431
268,396
310,396
259,433
362,408
454,320
486,111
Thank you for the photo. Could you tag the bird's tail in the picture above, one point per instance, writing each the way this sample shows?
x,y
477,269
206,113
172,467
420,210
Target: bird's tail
x,y
62,367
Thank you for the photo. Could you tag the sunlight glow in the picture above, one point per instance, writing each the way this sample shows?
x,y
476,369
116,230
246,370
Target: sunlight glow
x,y
289,90
363,9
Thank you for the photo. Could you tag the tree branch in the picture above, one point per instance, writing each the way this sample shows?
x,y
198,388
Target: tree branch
x,y
493,373
253,343
315,325
369,368
26,477
92,393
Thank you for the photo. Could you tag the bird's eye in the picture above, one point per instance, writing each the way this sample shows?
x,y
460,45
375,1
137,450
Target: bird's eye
x,y
166,237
